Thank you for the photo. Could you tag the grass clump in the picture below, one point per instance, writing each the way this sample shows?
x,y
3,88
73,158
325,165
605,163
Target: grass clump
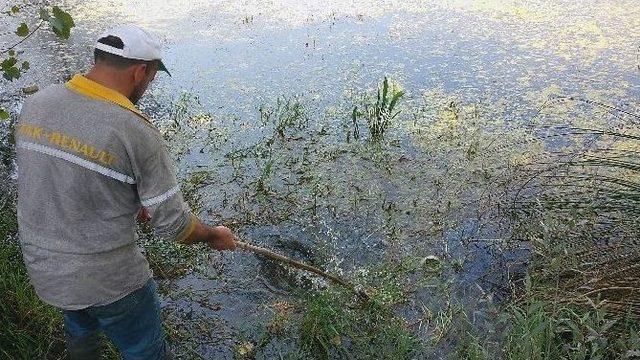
x,y
8,217
542,329
380,114
285,115
577,209
322,325
29,329
334,326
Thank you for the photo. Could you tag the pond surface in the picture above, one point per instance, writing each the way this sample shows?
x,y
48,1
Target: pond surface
x,y
472,71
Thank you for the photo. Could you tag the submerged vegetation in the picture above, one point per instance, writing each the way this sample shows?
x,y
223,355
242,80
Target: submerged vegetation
x,y
419,218
577,208
467,179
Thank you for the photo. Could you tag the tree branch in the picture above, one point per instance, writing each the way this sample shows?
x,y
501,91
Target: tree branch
x,y
299,265
4,51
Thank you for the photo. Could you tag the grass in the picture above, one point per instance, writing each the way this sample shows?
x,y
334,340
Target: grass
x,y
286,114
336,326
333,323
380,114
543,330
578,210
30,329
537,329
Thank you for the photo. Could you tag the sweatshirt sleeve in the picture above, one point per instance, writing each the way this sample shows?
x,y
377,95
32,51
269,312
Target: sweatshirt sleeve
x,y
158,188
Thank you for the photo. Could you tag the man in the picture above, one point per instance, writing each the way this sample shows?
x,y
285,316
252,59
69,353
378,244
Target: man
x,y
88,162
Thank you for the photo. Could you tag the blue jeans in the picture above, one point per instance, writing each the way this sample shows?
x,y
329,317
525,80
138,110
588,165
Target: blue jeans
x,y
132,323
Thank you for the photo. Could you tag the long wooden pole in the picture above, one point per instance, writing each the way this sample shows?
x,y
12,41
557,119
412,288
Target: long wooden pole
x,y
299,265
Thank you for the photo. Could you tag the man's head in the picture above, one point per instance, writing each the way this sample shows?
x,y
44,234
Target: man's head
x,y
130,57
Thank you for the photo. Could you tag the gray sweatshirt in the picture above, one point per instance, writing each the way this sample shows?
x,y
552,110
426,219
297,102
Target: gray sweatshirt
x,y
87,162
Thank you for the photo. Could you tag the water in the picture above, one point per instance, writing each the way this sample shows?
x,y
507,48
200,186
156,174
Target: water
x,y
344,210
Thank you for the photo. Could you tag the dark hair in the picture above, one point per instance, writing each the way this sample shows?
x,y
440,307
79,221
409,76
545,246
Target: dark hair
x,y
115,60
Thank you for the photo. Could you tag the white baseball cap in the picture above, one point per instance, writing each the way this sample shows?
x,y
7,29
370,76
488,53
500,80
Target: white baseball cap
x,y
138,44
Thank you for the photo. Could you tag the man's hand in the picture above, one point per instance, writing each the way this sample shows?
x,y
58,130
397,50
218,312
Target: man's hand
x,y
218,237
221,238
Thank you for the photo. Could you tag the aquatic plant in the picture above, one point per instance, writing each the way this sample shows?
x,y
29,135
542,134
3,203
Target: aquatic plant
x,y
540,329
380,114
588,200
578,208
334,327
168,259
265,173
288,113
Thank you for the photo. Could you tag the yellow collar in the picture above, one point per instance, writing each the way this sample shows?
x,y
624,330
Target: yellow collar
x,y
92,89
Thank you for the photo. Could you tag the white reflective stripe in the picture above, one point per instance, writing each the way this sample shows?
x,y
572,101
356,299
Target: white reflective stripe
x,y
109,49
160,198
76,160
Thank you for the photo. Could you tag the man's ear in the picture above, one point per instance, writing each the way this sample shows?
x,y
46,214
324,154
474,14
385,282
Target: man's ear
x,y
139,73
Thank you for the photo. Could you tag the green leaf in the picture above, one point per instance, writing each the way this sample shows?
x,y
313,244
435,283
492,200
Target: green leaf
x,y
8,63
15,9
11,73
25,66
385,89
539,329
9,70
22,30
12,52
61,23
44,14
4,114
394,99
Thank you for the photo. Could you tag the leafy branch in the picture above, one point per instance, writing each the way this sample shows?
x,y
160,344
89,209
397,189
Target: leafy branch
x,y
22,29
59,20
12,67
